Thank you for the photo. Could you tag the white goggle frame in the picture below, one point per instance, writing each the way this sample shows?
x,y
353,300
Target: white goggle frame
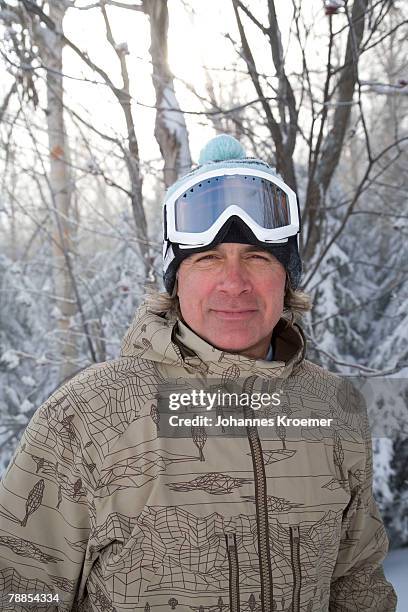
x,y
188,240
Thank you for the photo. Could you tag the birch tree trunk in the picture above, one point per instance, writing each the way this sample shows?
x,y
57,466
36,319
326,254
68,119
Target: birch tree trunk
x,y
123,96
51,47
170,129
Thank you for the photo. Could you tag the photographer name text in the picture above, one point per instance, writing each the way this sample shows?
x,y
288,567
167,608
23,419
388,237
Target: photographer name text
x,y
230,421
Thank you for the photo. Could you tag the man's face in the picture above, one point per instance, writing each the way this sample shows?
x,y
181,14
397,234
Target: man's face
x,y
232,296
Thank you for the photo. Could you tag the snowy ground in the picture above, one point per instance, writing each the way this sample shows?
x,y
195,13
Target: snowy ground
x,y
396,570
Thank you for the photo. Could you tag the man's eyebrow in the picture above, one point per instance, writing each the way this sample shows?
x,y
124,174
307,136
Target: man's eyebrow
x,y
206,251
253,247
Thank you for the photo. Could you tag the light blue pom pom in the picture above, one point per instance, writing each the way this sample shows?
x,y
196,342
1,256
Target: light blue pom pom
x,y
220,148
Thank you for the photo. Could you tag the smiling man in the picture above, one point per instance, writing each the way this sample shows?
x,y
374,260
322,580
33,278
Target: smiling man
x,y
232,296
109,505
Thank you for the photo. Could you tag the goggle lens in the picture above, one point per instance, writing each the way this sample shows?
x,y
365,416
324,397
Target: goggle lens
x,y
199,207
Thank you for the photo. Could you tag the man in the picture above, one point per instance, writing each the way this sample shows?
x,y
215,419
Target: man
x,y
118,499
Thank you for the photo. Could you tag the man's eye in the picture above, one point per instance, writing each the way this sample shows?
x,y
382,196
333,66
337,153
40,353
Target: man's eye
x,y
257,256
206,257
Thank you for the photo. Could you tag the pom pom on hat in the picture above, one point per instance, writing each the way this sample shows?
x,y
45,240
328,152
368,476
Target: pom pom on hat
x,y
221,148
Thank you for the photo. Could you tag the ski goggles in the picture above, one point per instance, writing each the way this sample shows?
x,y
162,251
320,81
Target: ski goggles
x,y
198,209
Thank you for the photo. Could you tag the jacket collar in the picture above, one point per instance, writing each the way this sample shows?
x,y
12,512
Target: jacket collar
x,y
289,342
169,341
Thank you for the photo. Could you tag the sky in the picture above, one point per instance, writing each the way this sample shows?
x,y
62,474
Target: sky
x,y
197,37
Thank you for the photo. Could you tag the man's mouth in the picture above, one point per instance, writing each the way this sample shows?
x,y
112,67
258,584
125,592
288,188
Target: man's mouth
x,y
234,314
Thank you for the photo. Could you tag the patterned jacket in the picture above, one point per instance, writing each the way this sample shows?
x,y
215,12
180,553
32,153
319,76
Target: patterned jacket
x,y
106,508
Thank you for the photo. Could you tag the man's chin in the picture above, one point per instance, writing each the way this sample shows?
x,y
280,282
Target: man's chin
x,y
235,344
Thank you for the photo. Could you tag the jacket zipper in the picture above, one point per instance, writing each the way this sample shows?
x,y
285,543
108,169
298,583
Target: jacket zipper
x,y
233,571
295,559
261,504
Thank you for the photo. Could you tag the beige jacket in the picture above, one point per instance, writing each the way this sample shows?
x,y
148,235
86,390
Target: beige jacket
x,y
105,511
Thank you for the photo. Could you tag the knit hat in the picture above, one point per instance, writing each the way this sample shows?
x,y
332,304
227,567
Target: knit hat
x,y
223,152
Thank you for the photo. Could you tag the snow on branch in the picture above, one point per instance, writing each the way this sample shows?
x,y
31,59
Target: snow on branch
x,y
131,7
401,88
332,7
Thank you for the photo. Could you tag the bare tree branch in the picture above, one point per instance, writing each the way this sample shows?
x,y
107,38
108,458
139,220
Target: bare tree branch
x,y
284,164
367,372
123,5
286,96
333,142
350,208
7,99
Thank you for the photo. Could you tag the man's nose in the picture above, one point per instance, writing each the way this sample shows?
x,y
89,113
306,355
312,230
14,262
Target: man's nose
x,y
234,278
